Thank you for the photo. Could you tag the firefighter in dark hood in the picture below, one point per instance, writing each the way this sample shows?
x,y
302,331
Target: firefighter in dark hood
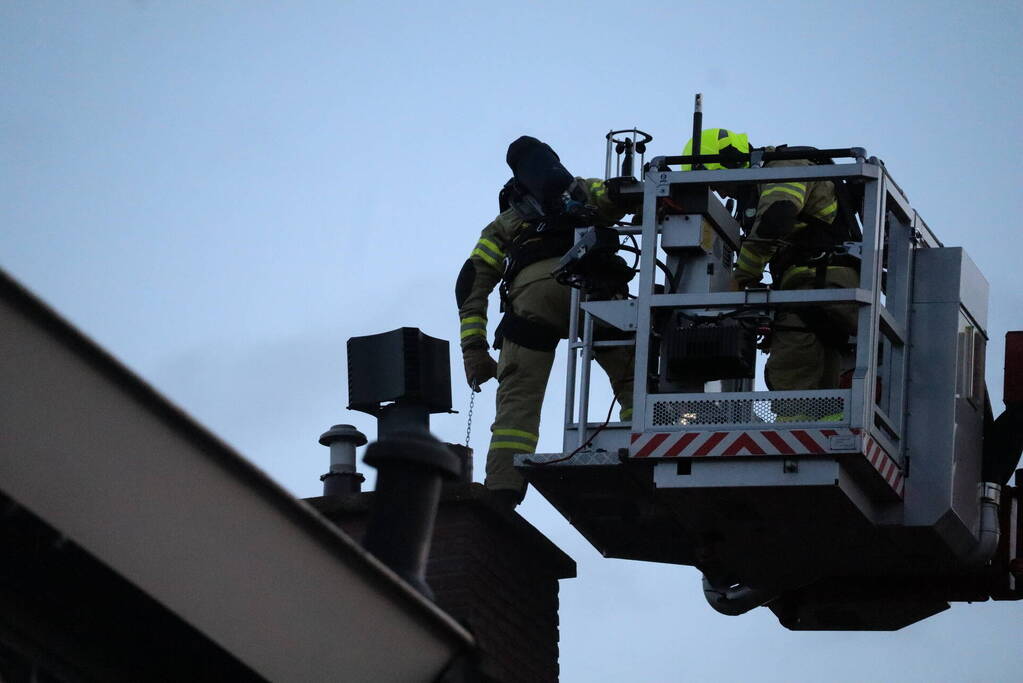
x,y
541,207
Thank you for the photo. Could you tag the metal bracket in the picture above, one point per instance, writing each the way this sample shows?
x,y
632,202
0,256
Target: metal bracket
x,y
621,314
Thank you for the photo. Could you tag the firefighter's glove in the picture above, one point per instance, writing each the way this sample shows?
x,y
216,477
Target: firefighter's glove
x,y
479,366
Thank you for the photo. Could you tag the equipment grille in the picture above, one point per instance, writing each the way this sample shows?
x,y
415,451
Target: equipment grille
x,y
830,409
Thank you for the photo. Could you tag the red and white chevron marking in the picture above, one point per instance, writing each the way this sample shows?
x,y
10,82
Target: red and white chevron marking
x,y
740,442
884,464
768,442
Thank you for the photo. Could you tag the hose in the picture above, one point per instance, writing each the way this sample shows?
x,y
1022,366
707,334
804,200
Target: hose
x,y
734,600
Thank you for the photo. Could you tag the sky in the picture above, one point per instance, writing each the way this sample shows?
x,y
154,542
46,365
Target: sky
x,y
222,193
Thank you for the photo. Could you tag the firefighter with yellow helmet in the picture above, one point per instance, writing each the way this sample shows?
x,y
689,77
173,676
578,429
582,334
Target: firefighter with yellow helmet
x,y
796,234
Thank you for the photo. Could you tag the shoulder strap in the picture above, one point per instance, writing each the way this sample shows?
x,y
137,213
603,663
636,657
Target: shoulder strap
x,y
504,196
847,210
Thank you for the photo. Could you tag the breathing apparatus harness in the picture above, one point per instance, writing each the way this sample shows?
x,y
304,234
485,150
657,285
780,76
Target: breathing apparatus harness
x,y
552,203
548,231
818,246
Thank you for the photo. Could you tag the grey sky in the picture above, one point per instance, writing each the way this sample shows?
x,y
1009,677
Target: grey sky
x,y
222,193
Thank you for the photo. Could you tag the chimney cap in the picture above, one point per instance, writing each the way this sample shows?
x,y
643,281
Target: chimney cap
x,y
343,433
400,366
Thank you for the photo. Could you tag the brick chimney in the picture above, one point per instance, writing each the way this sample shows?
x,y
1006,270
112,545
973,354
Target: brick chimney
x,y
490,569
487,566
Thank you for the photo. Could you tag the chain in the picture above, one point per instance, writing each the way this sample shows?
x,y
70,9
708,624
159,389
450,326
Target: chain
x,y
472,401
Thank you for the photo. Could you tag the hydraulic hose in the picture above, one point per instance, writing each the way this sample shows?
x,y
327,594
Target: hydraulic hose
x,y
735,600
990,526
660,264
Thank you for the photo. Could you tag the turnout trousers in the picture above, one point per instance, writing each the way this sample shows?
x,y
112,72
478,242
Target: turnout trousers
x,y
799,359
522,373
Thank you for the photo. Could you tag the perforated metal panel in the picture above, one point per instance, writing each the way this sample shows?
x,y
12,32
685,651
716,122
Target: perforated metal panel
x,y
582,458
830,409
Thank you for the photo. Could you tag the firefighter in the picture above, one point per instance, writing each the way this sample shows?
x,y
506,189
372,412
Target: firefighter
x,y
519,250
797,232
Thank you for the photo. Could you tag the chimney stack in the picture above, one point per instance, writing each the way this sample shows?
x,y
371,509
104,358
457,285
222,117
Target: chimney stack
x,y
486,566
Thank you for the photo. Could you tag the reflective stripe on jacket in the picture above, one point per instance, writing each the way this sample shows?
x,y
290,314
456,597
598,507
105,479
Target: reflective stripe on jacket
x,y
812,199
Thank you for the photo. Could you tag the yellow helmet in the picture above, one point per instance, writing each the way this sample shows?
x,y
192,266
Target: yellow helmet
x,y
724,142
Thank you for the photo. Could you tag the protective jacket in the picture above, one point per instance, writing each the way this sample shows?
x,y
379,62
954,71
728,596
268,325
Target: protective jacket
x,y
510,249
795,231
790,217
509,241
